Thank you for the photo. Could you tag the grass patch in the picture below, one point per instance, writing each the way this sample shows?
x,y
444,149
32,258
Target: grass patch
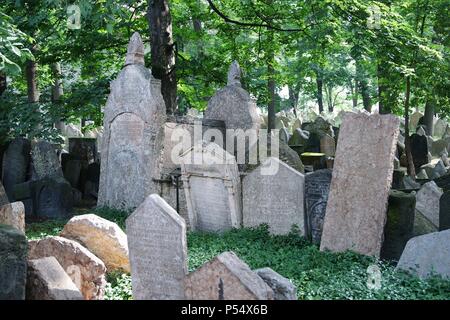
x,y
316,274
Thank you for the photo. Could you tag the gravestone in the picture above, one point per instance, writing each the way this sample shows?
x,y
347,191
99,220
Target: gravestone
x,y
273,195
283,289
439,170
419,150
15,164
284,135
13,263
45,161
414,120
3,197
13,214
211,185
158,253
399,224
444,211
426,254
133,134
317,187
327,145
84,149
362,176
52,198
428,202
233,104
226,277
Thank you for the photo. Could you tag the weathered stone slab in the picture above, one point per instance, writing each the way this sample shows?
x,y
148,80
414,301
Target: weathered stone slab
x,y
13,263
47,280
102,237
72,170
428,202
444,211
13,214
233,104
132,142
317,188
399,225
362,176
328,145
427,254
282,288
273,195
211,184
45,161
52,198
16,160
158,252
84,149
419,150
3,197
83,267
226,277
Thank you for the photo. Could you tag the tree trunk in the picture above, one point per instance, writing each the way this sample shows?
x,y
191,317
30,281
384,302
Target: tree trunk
x,y
411,169
271,92
363,85
382,101
57,89
354,92
428,117
329,90
319,82
293,98
163,51
32,89
3,83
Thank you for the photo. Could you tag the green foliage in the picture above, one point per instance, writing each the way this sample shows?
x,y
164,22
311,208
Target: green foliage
x,y
48,228
118,287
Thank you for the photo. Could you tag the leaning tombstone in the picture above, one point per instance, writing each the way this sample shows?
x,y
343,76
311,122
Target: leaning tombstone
x,y
273,195
226,277
317,187
133,134
428,202
16,160
158,253
419,150
211,184
444,211
362,176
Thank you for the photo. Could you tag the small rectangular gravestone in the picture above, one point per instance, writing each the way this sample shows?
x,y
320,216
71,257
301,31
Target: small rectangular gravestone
x,y
362,176
273,195
158,252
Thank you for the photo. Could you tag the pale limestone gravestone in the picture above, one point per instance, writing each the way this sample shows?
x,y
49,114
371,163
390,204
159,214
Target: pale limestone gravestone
x,y
212,188
427,202
328,145
3,197
362,176
226,277
283,289
133,134
427,254
273,194
158,252
414,120
233,104
45,161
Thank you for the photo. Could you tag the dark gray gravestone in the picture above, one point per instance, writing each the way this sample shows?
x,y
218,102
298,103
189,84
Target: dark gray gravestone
x,y
83,149
313,143
443,182
15,164
52,198
317,187
444,211
45,161
72,170
419,150
22,192
13,263
399,224
3,197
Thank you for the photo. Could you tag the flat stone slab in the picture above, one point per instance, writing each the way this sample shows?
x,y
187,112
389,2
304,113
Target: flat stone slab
x,y
13,214
426,254
362,176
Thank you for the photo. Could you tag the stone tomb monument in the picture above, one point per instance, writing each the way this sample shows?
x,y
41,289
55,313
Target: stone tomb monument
x,y
133,134
212,188
158,252
274,197
362,176
317,187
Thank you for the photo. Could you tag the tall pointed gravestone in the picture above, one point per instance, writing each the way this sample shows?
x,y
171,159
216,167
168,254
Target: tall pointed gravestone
x,y
158,251
133,134
362,176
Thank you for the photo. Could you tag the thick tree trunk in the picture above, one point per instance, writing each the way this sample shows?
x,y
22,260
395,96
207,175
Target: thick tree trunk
x,y
428,117
163,51
354,92
411,169
3,83
57,89
271,91
363,84
319,82
382,101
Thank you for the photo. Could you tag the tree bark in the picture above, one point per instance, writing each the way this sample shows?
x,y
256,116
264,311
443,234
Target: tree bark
x,y
163,51
428,117
293,98
382,101
57,89
32,89
3,83
271,92
411,169
354,92
319,82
